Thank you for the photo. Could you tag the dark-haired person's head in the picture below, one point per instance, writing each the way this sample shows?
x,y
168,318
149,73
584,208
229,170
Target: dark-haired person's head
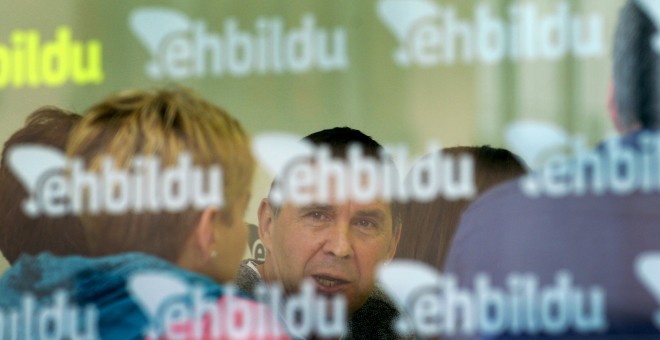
x,y
636,68
23,234
339,139
336,243
430,226
177,130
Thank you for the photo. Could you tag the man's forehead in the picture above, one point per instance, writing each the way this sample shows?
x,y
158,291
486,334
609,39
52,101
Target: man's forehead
x,y
377,208
361,184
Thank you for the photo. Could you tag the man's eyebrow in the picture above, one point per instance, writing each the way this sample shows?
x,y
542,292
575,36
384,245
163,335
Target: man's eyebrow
x,y
374,213
324,207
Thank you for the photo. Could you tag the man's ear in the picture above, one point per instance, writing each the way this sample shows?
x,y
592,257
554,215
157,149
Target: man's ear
x,y
394,243
266,219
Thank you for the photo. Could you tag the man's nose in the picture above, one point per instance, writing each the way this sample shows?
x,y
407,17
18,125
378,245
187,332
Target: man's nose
x,y
338,242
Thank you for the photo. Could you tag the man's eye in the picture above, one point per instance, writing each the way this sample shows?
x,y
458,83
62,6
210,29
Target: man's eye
x,y
317,215
366,224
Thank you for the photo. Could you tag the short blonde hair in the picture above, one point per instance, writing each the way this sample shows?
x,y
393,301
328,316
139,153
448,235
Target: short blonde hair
x,y
162,123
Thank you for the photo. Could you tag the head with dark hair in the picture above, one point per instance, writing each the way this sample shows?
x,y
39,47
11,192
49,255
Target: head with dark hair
x,y
636,69
22,234
336,243
339,139
430,226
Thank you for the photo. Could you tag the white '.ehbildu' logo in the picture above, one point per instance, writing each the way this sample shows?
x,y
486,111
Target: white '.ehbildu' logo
x,y
37,167
652,8
58,186
401,17
176,309
647,268
156,27
435,304
275,150
182,48
429,34
154,292
535,141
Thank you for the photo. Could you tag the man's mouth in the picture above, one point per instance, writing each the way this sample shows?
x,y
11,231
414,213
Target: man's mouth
x,y
329,284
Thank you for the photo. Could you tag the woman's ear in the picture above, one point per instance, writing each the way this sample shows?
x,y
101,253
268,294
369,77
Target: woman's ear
x,y
206,232
199,247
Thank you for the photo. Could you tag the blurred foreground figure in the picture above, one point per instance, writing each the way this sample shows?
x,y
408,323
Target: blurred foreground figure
x,y
47,127
430,226
160,181
574,249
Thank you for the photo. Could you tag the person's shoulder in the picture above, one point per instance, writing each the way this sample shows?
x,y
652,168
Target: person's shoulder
x,y
496,203
509,192
495,213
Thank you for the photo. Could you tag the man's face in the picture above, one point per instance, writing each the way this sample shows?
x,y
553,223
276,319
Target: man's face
x,y
338,246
